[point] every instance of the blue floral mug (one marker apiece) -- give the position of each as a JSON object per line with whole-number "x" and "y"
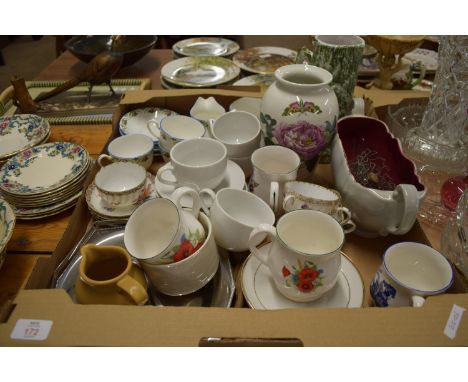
{"x": 409, "y": 272}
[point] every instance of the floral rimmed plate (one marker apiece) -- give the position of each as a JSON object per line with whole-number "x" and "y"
{"x": 265, "y": 59}
{"x": 136, "y": 122}
{"x": 205, "y": 46}
{"x": 262, "y": 80}
{"x": 198, "y": 72}
{"x": 7, "y": 223}
{"x": 43, "y": 168}
{"x": 101, "y": 210}
{"x": 429, "y": 58}
{"x": 20, "y": 132}
{"x": 260, "y": 291}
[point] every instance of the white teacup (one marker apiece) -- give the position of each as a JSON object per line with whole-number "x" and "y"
{"x": 239, "y": 131}
{"x": 409, "y": 272}
{"x": 177, "y": 128}
{"x": 304, "y": 258}
{"x": 136, "y": 148}
{"x": 197, "y": 162}
{"x": 303, "y": 195}
{"x": 234, "y": 214}
{"x": 273, "y": 166}
{"x": 160, "y": 232}
{"x": 120, "y": 183}
{"x": 190, "y": 274}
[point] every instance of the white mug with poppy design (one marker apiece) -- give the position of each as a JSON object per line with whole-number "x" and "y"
{"x": 304, "y": 259}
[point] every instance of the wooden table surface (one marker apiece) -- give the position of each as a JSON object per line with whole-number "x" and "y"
{"x": 33, "y": 239}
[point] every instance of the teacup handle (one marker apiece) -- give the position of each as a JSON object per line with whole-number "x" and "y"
{"x": 152, "y": 124}
{"x": 160, "y": 177}
{"x": 103, "y": 157}
{"x": 134, "y": 289}
{"x": 178, "y": 194}
{"x": 408, "y": 194}
{"x": 288, "y": 202}
{"x": 257, "y": 236}
{"x": 274, "y": 196}
{"x": 209, "y": 194}
{"x": 417, "y": 301}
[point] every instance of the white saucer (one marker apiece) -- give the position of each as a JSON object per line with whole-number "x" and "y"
{"x": 101, "y": 209}
{"x": 233, "y": 178}
{"x": 260, "y": 291}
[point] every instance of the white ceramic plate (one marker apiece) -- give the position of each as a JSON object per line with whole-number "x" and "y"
{"x": 136, "y": 122}
{"x": 265, "y": 59}
{"x": 102, "y": 210}
{"x": 260, "y": 291}
{"x": 43, "y": 168}
{"x": 198, "y": 72}
{"x": 248, "y": 104}
{"x": 21, "y": 131}
{"x": 262, "y": 80}
{"x": 429, "y": 58}
{"x": 46, "y": 211}
{"x": 205, "y": 46}
{"x": 233, "y": 178}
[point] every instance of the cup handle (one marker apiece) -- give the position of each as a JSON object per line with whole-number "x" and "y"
{"x": 346, "y": 215}
{"x": 134, "y": 289}
{"x": 211, "y": 123}
{"x": 160, "y": 177}
{"x": 103, "y": 157}
{"x": 208, "y": 194}
{"x": 178, "y": 194}
{"x": 288, "y": 198}
{"x": 254, "y": 240}
{"x": 408, "y": 194}
{"x": 417, "y": 301}
{"x": 348, "y": 227}
{"x": 274, "y": 196}
{"x": 152, "y": 124}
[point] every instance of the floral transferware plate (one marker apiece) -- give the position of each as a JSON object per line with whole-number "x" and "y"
{"x": 265, "y": 59}
{"x": 198, "y": 72}
{"x": 234, "y": 178}
{"x": 43, "y": 168}
{"x": 429, "y": 58}
{"x": 260, "y": 291}
{"x": 205, "y": 46}
{"x": 104, "y": 211}
{"x": 21, "y": 131}
{"x": 136, "y": 122}
{"x": 7, "y": 223}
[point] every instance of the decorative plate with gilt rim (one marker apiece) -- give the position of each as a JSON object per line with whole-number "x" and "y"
{"x": 264, "y": 59}
{"x": 205, "y": 46}
{"x": 21, "y": 131}
{"x": 260, "y": 291}
{"x": 7, "y": 223}
{"x": 199, "y": 72}
{"x": 262, "y": 80}
{"x": 43, "y": 168}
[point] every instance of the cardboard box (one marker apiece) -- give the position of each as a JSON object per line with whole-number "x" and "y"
{"x": 96, "y": 325}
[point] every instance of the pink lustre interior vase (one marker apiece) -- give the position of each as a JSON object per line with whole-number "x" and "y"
{"x": 299, "y": 111}
{"x": 377, "y": 181}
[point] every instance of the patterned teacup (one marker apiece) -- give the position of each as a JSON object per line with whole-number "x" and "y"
{"x": 303, "y": 195}
{"x": 135, "y": 148}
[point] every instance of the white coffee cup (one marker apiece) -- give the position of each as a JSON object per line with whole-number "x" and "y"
{"x": 120, "y": 183}
{"x": 197, "y": 162}
{"x": 305, "y": 254}
{"x": 177, "y": 128}
{"x": 409, "y": 272}
{"x": 303, "y": 195}
{"x": 136, "y": 148}
{"x": 234, "y": 214}
{"x": 239, "y": 131}
{"x": 273, "y": 166}
{"x": 160, "y": 232}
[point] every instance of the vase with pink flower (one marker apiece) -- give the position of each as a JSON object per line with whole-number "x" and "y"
{"x": 299, "y": 111}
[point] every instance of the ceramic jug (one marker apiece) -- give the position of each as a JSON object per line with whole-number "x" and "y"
{"x": 299, "y": 110}
{"x": 108, "y": 276}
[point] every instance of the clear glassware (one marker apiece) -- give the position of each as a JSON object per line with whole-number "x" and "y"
{"x": 454, "y": 241}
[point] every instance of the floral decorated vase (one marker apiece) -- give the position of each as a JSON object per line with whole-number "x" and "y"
{"x": 299, "y": 111}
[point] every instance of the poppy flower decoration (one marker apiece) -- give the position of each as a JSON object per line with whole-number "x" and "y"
{"x": 189, "y": 243}
{"x": 305, "y": 277}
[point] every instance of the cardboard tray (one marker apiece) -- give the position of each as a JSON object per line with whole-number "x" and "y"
{"x": 95, "y": 325}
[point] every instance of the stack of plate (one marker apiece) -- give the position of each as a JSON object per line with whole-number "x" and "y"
{"x": 44, "y": 180}
{"x": 205, "y": 46}
{"x": 199, "y": 72}
{"x": 20, "y": 132}
{"x": 7, "y": 223}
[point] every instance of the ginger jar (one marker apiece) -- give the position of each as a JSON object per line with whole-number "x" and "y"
{"x": 299, "y": 110}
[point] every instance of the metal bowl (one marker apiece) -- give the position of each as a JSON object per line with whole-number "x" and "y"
{"x": 133, "y": 47}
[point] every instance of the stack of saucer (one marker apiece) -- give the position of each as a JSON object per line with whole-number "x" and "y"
{"x": 101, "y": 210}
{"x": 44, "y": 180}
{"x": 20, "y": 132}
